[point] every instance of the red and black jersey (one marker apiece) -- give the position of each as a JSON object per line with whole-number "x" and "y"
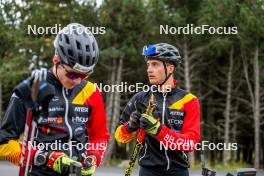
{"x": 74, "y": 122}
{"x": 179, "y": 113}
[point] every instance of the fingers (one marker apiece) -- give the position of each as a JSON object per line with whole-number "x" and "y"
{"x": 147, "y": 121}
{"x": 39, "y": 74}
{"x": 90, "y": 164}
{"x": 136, "y": 115}
{"x": 150, "y": 118}
{"x": 44, "y": 71}
{"x": 76, "y": 164}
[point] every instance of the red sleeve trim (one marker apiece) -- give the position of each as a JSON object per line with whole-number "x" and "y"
{"x": 190, "y": 134}
{"x": 96, "y": 127}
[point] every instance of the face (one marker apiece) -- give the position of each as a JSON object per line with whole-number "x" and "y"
{"x": 68, "y": 77}
{"x": 156, "y": 72}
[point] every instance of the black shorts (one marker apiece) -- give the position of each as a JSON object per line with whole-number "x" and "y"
{"x": 149, "y": 172}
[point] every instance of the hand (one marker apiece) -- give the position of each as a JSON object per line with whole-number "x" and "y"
{"x": 60, "y": 162}
{"x": 39, "y": 74}
{"x": 133, "y": 123}
{"x": 23, "y": 90}
{"x": 150, "y": 124}
{"x": 89, "y": 165}
{"x": 46, "y": 90}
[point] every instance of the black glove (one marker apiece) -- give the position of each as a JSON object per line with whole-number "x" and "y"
{"x": 150, "y": 124}
{"x": 133, "y": 123}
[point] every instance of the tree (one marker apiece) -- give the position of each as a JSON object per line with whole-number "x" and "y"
{"x": 121, "y": 47}
{"x": 252, "y": 13}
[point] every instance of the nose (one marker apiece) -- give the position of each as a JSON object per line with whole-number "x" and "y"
{"x": 149, "y": 70}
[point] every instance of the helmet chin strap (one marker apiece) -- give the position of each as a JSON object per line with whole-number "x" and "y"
{"x": 167, "y": 76}
{"x": 56, "y": 66}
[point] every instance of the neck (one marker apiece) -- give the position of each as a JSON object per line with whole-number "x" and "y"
{"x": 167, "y": 86}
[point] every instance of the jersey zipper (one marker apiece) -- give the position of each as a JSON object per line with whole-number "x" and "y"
{"x": 185, "y": 156}
{"x": 146, "y": 147}
{"x": 66, "y": 119}
{"x": 163, "y": 117}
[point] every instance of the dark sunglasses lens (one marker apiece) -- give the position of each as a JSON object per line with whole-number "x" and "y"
{"x": 73, "y": 75}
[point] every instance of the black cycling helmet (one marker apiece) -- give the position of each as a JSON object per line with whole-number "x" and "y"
{"x": 76, "y": 46}
{"x": 162, "y": 51}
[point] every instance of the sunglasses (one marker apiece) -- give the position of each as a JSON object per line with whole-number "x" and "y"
{"x": 149, "y": 50}
{"x": 74, "y": 75}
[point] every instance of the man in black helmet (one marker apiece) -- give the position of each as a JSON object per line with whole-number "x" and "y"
{"x": 71, "y": 130}
{"x": 173, "y": 127}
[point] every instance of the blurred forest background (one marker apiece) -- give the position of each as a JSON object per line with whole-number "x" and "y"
{"x": 224, "y": 71}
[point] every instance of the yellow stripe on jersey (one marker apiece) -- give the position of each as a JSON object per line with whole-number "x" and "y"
{"x": 180, "y": 103}
{"x": 123, "y": 138}
{"x": 11, "y": 152}
{"x": 84, "y": 94}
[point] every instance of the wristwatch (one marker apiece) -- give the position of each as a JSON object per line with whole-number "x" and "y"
{"x": 40, "y": 158}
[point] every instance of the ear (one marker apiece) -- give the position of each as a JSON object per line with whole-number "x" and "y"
{"x": 55, "y": 59}
{"x": 171, "y": 68}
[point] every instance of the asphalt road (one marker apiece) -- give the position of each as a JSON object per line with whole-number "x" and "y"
{"x": 7, "y": 169}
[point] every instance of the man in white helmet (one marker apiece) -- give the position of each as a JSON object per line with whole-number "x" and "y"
{"x": 74, "y": 115}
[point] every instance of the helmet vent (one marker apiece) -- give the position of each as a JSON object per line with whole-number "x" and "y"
{"x": 84, "y": 34}
{"x": 75, "y": 32}
{"x": 93, "y": 46}
{"x": 62, "y": 50}
{"x": 60, "y": 38}
{"x": 73, "y": 27}
{"x": 87, "y": 48}
{"x": 78, "y": 45}
{"x": 80, "y": 58}
{"x": 167, "y": 54}
{"x": 87, "y": 59}
{"x": 177, "y": 54}
{"x": 93, "y": 60}
{"x": 67, "y": 39}
{"x": 70, "y": 52}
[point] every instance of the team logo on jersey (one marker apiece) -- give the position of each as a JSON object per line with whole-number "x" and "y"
{"x": 42, "y": 120}
{"x": 178, "y": 113}
{"x": 52, "y": 120}
{"x": 176, "y": 117}
{"x": 175, "y": 122}
{"x": 59, "y": 120}
{"x": 78, "y": 119}
{"x": 55, "y": 109}
{"x": 78, "y": 129}
{"x": 55, "y": 98}
{"x": 81, "y": 109}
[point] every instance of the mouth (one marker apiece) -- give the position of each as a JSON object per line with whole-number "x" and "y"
{"x": 151, "y": 77}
